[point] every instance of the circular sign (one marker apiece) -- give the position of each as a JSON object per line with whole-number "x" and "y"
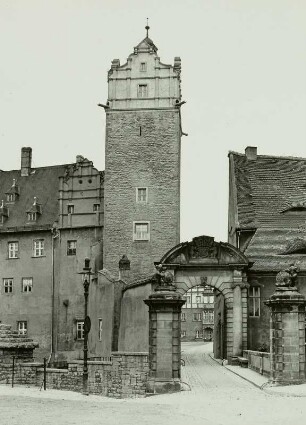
{"x": 87, "y": 324}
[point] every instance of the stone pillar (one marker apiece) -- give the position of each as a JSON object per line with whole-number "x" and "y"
{"x": 164, "y": 339}
{"x": 237, "y": 285}
{"x": 287, "y": 332}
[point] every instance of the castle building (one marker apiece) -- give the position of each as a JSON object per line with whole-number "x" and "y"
{"x": 50, "y": 219}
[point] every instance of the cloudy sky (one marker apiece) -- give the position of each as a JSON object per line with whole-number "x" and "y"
{"x": 243, "y": 77}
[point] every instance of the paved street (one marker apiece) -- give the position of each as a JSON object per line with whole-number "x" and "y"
{"x": 217, "y": 397}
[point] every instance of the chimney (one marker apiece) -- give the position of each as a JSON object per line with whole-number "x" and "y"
{"x": 251, "y": 153}
{"x": 124, "y": 268}
{"x": 26, "y": 161}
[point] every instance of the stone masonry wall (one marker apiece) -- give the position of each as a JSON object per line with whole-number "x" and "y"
{"x": 125, "y": 376}
{"x": 142, "y": 150}
{"x": 258, "y": 361}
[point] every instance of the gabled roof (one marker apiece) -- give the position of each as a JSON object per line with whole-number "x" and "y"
{"x": 42, "y": 183}
{"x": 146, "y": 45}
{"x": 268, "y": 188}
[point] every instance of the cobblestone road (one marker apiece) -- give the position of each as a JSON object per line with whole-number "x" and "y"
{"x": 217, "y": 397}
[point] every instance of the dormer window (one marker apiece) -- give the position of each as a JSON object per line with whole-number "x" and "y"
{"x": 143, "y": 66}
{"x": 142, "y": 90}
{"x": 10, "y": 197}
{"x": 34, "y": 212}
{"x": 32, "y": 216}
{"x": 13, "y": 193}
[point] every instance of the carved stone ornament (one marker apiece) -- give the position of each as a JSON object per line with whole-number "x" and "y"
{"x": 163, "y": 276}
{"x": 203, "y": 280}
{"x": 202, "y": 246}
{"x": 287, "y": 278}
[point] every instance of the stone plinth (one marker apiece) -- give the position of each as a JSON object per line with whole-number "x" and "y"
{"x": 14, "y": 345}
{"x": 164, "y": 341}
{"x": 287, "y": 338}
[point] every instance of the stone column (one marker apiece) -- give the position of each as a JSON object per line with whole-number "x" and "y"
{"x": 237, "y": 285}
{"x": 287, "y": 332}
{"x": 164, "y": 339}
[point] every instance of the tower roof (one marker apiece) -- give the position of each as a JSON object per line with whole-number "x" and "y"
{"x": 146, "y": 45}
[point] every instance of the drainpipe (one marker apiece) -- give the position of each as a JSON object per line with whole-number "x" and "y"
{"x": 54, "y": 234}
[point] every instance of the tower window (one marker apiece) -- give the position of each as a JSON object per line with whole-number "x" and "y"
{"x": 142, "y": 90}
{"x": 141, "y": 195}
{"x": 70, "y": 209}
{"x": 96, "y": 207}
{"x": 143, "y": 66}
{"x": 71, "y": 247}
{"x": 22, "y": 327}
{"x": 141, "y": 231}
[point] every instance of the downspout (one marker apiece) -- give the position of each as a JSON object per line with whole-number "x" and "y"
{"x": 54, "y": 235}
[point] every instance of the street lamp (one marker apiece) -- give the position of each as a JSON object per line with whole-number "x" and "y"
{"x": 87, "y": 323}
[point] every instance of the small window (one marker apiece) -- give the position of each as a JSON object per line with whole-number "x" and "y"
{"x": 70, "y": 209}
{"x": 197, "y": 317}
{"x": 188, "y": 299}
{"x": 32, "y": 216}
{"x": 143, "y": 66}
{"x": 71, "y": 247}
{"x": 183, "y": 334}
{"x": 183, "y": 317}
{"x": 39, "y": 248}
{"x": 27, "y": 284}
{"x": 141, "y": 231}
{"x": 10, "y": 197}
{"x": 198, "y": 334}
{"x": 198, "y": 299}
{"x": 8, "y": 285}
{"x": 96, "y": 207}
{"x": 80, "y": 329}
{"x": 142, "y": 195}
{"x": 22, "y": 327}
{"x": 254, "y": 301}
{"x": 13, "y": 249}
{"x": 100, "y": 329}
{"x": 142, "y": 90}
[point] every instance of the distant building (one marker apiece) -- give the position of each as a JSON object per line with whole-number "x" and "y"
{"x": 197, "y": 317}
{"x": 50, "y": 219}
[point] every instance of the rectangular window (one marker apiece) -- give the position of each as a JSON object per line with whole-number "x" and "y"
{"x": 254, "y": 301}
{"x": 188, "y": 299}
{"x": 100, "y": 329}
{"x": 8, "y": 285}
{"x": 183, "y": 334}
{"x": 70, "y": 209}
{"x": 143, "y": 66}
{"x": 80, "y": 329}
{"x": 27, "y": 284}
{"x": 141, "y": 194}
{"x": 198, "y": 334}
{"x": 22, "y": 327}
{"x": 141, "y": 231}
{"x": 142, "y": 90}
{"x": 183, "y": 317}
{"x": 197, "y": 317}
{"x": 39, "y": 248}
{"x": 208, "y": 316}
{"x": 96, "y": 207}
{"x": 13, "y": 249}
{"x": 198, "y": 299}
{"x": 71, "y": 247}
{"x": 32, "y": 216}
{"x": 10, "y": 197}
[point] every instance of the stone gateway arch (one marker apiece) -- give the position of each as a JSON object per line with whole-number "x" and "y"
{"x": 223, "y": 267}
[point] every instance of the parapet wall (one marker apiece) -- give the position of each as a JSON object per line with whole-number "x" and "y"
{"x": 258, "y": 361}
{"x": 124, "y": 376}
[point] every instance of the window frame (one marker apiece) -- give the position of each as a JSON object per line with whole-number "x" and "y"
{"x": 70, "y": 206}
{"x": 254, "y": 301}
{"x": 183, "y": 317}
{"x": 138, "y": 200}
{"x": 71, "y": 253}
{"x": 183, "y": 333}
{"x": 143, "y": 67}
{"x": 142, "y": 91}
{"x": 38, "y": 251}
{"x": 96, "y": 207}
{"x": 24, "y": 330}
{"x": 80, "y": 330}
{"x": 32, "y": 216}
{"x": 142, "y": 239}
{"x": 8, "y": 289}
{"x": 23, "y": 285}
{"x": 196, "y": 317}
{"x": 13, "y": 250}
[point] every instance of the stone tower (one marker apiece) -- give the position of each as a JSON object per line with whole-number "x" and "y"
{"x": 142, "y": 160}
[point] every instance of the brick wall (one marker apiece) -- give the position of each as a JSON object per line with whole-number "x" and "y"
{"x": 151, "y": 160}
{"x": 124, "y": 376}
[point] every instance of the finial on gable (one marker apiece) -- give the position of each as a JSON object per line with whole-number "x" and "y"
{"x": 147, "y": 27}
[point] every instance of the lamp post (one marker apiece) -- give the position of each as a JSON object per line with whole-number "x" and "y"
{"x": 87, "y": 323}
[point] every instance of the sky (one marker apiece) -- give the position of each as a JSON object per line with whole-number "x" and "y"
{"x": 243, "y": 78}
